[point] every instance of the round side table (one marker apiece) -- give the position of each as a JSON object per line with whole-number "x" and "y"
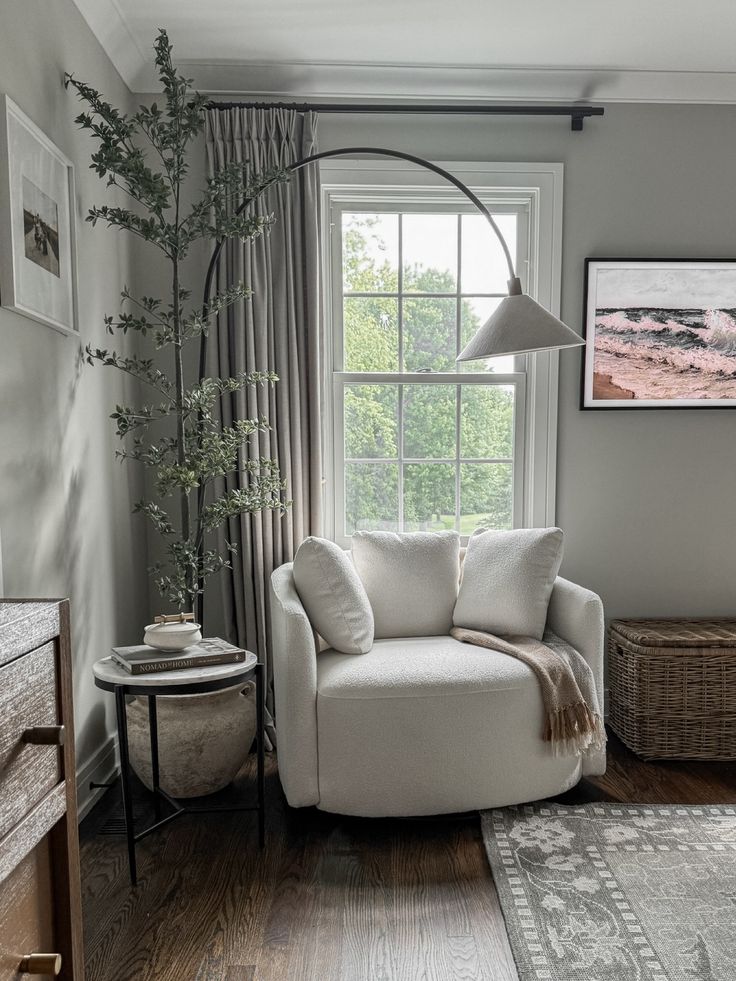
{"x": 193, "y": 681}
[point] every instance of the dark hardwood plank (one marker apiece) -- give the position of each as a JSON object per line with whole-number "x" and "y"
{"x": 483, "y": 917}
{"x": 631, "y": 780}
{"x": 366, "y": 914}
{"x": 236, "y": 972}
{"x": 330, "y": 898}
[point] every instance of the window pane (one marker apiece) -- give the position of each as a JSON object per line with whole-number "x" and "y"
{"x": 484, "y": 267}
{"x": 403, "y": 442}
{"x": 371, "y": 332}
{"x": 474, "y": 311}
{"x": 371, "y": 497}
{"x": 370, "y": 253}
{"x": 429, "y": 245}
{"x": 429, "y": 421}
{"x": 429, "y": 496}
{"x": 485, "y": 496}
{"x": 371, "y": 421}
{"x": 487, "y": 421}
{"x": 430, "y": 333}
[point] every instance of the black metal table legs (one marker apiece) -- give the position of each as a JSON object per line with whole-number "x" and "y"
{"x": 153, "y": 731}
{"x": 122, "y": 719}
{"x": 160, "y": 795}
{"x": 261, "y": 747}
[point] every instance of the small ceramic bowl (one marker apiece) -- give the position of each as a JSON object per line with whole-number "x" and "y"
{"x": 172, "y": 636}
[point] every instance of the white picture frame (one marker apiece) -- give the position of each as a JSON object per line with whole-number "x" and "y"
{"x": 37, "y": 224}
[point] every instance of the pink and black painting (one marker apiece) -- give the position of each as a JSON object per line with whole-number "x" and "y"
{"x": 659, "y": 334}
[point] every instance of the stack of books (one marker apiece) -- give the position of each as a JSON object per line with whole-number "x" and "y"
{"x": 148, "y": 660}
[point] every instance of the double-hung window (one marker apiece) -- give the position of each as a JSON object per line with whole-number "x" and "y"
{"x": 417, "y": 441}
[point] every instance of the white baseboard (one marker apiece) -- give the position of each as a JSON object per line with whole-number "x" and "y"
{"x": 101, "y": 767}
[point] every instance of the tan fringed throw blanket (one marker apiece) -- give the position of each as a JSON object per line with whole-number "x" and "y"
{"x": 574, "y": 725}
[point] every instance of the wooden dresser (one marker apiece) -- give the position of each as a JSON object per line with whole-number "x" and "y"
{"x": 40, "y": 901}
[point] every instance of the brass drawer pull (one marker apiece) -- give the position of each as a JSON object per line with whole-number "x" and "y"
{"x": 45, "y": 736}
{"x": 41, "y": 963}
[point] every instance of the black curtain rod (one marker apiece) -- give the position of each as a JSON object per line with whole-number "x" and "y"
{"x": 576, "y": 113}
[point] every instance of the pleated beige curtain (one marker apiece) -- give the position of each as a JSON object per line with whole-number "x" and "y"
{"x": 279, "y": 329}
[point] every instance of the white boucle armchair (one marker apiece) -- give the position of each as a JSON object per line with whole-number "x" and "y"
{"x": 419, "y": 725}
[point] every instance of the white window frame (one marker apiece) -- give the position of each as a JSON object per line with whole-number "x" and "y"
{"x": 537, "y": 188}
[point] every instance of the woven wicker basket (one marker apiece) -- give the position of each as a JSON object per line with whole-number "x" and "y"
{"x": 673, "y": 687}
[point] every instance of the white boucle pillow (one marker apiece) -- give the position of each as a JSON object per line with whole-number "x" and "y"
{"x": 333, "y": 596}
{"x": 410, "y": 579}
{"x": 507, "y": 580}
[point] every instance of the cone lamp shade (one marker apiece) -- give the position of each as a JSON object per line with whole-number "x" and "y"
{"x": 519, "y": 325}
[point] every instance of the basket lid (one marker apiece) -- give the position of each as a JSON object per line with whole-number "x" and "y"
{"x": 678, "y": 633}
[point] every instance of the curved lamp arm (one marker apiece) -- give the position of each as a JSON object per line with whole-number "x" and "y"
{"x": 514, "y": 285}
{"x": 428, "y": 165}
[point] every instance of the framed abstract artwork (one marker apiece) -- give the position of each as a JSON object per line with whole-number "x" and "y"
{"x": 37, "y": 245}
{"x": 660, "y": 333}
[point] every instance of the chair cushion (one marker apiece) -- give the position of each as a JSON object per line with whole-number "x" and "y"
{"x": 507, "y": 580}
{"x": 427, "y": 725}
{"x": 413, "y": 667}
{"x": 333, "y": 596}
{"x": 411, "y": 580}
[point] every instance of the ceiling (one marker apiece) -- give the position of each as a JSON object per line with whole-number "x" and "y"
{"x": 598, "y": 50}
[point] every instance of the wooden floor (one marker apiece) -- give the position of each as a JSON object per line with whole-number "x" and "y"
{"x": 329, "y": 898}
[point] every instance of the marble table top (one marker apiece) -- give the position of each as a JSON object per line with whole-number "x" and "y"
{"x": 106, "y": 670}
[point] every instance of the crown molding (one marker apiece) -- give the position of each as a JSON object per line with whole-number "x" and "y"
{"x": 108, "y": 24}
{"x": 447, "y": 83}
{"x": 326, "y": 81}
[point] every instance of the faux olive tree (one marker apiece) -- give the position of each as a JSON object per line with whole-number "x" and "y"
{"x": 177, "y": 433}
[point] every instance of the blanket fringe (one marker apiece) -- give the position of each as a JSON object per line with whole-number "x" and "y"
{"x": 573, "y": 730}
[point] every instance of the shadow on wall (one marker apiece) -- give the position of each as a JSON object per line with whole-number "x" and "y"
{"x": 66, "y": 505}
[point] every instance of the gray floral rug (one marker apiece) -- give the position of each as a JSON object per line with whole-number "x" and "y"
{"x": 609, "y": 892}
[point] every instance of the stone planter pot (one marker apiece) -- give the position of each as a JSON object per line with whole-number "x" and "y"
{"x": 203, "y": 740}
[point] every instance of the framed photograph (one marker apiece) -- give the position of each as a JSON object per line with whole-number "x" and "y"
{"x": 37, "y": 247}
{"x": 660, "y": 333}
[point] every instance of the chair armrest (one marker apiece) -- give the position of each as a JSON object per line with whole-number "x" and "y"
{"x": 295, "y": 690}
{"x": 576, "y": 615}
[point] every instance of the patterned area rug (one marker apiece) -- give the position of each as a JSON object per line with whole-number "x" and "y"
{"x": 609, "y": 892}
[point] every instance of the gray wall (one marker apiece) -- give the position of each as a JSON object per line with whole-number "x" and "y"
{"x": 65, "y": 503}
{"x": 645, "y": 497}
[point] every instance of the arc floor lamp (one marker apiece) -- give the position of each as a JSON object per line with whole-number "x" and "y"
{"x": 519, "y": 325}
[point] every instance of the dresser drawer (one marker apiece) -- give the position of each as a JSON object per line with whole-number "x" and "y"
{"x": 26, "y": 912}
{"x": 28, "y": 698}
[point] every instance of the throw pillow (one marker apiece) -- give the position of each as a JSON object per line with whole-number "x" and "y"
{"x": 411, "y": 580}
{"x": 507, "y": 580}
{"x": 333, "y": 596}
